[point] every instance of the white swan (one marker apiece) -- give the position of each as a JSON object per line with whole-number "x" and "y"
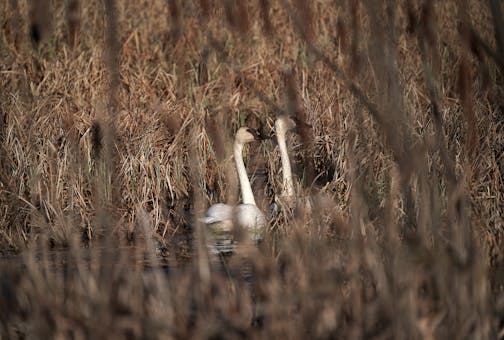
{"x": 288, "y": 197}
{"x": 247, "y": 215}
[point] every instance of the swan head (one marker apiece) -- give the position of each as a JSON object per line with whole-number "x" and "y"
{"x": 246, "y": 135}
{"x": 284, "y": 124}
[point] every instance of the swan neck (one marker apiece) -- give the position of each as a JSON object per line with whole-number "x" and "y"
{"x": 246, "y": 189}
{"x": 287, "y": 182}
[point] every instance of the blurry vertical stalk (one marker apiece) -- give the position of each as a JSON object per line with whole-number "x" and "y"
{"x": 423, "y": 43}
{"x": 357, "y": 204}
{"x": 383, "y": 60}
{"x": 206, "y": 8}
{"x": 477, "y": 41}
{"x": 202, "y": 266}
{"x": 112, "y": 56}
{"x": 175, "y": 20}
{"x": 457, "y": 214}
{"x": 219, "y": 142}
{"x": 73, "y": 21}
{"x": 296, "y": 109}
{"x": 109, "y": 136}
{"x": 498, "y": 22}
{"x": 243, "y": 17}
{"x": 430, "y": 33}
{"x": 359, "y": 242}
{"x": 305, "y": 14}
{"x": 107, "y": 179}
{"x": 4, "y": 161}
{"x": 265, "y": 7}
{"x": 237, "y": 15}
{"x": 383, "y": 56}
{"x": 15, "y": 23}
{"x": 355, "y": 27}
{"x": 40, "y": 20}
{"x": 176, "y": 52}
{"x": 465, "y": 83}
{"x": 163, "y": 302}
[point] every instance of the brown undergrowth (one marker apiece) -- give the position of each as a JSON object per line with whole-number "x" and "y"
{"x": 116, "y": 120}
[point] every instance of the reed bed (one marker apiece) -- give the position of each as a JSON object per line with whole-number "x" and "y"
{"x": 116, "y": 124}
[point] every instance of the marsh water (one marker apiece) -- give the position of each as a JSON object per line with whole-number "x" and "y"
{"x": 136, "y": 256}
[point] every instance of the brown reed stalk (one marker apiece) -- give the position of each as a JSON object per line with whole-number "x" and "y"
{"x": 243, "y": 19}
{"x": 465, "y": 84}
{"x": 498, "y": 24}
{"x": 296, "y": 110}
{"x": 14, "y": 32}
{"x": 3, "y": 131}
{"x": 479, "y": 42}
{"x": 108, "y": 184}
{"x": 428, "y": 20}
{"x": 73, "y": 21}
{"x": 112, "y": 56}
{"x": 265, "y": 16}
{"x": 448, "y": 164}
{"x": 96, "y": 140}
{"x": 206, "y": 7}
{"x": 237, "y": 15}
{"x": 459, "y": 224}
{"x": 165, "y": 304}
{"x": 202, "y": 272}
{"x": 175, "y": 20}
{"x": 40, "y": 20}
{"x": 215, "y": 122}
{"x": 112, "y": 65}
{"x": 305, "y": 13}
{"x": 355, "y": 34}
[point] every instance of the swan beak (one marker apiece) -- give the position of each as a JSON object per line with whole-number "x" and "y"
{"x": 258, "y": 136}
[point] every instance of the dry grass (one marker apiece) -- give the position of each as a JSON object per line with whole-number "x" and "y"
{"x": 116, "y": 120}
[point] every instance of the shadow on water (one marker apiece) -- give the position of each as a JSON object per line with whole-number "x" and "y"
{"x": 136, "y": 256}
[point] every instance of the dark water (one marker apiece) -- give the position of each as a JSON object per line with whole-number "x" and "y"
{"x": 222, "y": 260}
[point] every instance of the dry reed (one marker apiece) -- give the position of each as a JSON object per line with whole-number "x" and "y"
{"x": 112, "y": 144}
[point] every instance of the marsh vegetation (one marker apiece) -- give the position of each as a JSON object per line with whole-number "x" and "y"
{"x": 116, "y": 125}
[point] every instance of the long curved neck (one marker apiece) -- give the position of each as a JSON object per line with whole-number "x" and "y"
{"x": 246, "y": 189}
{"x": 287, "y": 182}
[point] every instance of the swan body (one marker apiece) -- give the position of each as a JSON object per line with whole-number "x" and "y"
{"x": 217, "y": 213}
{"x": 246, "y": 215}
{"x": 222, "y": 217}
